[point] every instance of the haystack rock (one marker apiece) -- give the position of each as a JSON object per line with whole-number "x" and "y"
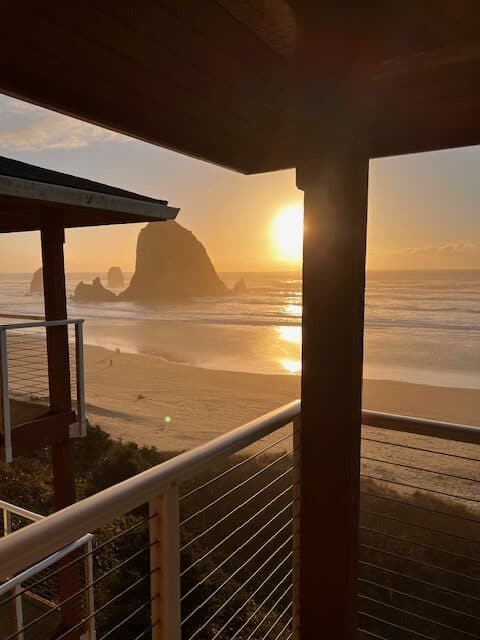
{"x": 240, "y": 286}
{"x": 94, "y": 292}
{"x": 115, "y": 278}
{"x": 171, "y": 264}
{"x": 36, "y": 285}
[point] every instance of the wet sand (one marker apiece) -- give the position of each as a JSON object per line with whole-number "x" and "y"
{"x": 174, "y": 406}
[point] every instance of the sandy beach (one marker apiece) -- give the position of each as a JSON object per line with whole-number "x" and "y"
{"x": 130, "y": 396}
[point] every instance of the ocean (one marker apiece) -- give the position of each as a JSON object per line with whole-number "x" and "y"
{"x": 420, "y": 327}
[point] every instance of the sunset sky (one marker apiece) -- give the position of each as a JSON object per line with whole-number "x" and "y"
{"x": 423, "y": 209}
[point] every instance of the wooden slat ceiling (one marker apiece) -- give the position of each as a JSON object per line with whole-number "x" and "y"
{"x": 215, "y": 78}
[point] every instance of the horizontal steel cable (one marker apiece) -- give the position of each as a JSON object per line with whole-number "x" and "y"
{"x": 242, "y": 566}
{"x": 104, "y": 606}
{"x": 237, "y": 549}
{"x": 404, "y": 594}
{"x": 424, "y": 527}
{"x": 417, "y": 488}
{"x": 420, "y": 506}
{"x": 232, "y": 468}
{"x": 370, "y": 634}
{"x": 83, "y": 556}
{"x": 269, "y": 612}
{"x": 257, "y": 513}
{"x": 395, "y": 626}
{"x": 235, "y": 488}
{"x": 267, "y": 579}
{"x": 129, "y": 617}
{"x": 240, "y": 506}
{"x": 284, "y": 628}
{"x": 419, "y": 580}
{"x": 420, "y": 562}
{"x": 232, "y": 533}
{"x": 423, "y": 450}
{"x": 417, "y": 615}
{"x": 422, "y": 469}
{"x": 230, "y": 598}
{"x": 408, "y": 541}
{"x": 85, "y": 588}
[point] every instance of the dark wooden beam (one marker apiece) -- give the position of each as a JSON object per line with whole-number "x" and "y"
{"x": 332, "y": 170}
{"x": 53, "y": 238}
{"x": 42, "y": 432}
{"x": 427, "y": 60}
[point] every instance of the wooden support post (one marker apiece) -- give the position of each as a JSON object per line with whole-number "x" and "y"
{"x": 332, "y": 170}
{"x": 53, "y": 238}
{"x": 165, "y": 565}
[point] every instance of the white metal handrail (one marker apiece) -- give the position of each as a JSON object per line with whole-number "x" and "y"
{"x": 42, "y": 323}
{"x": 159, "y": 488}
{"x": 59, "y": 529}
{"x": 7, "y": 508}
{"x": 5, "y": 373}
{"x": 23, "y": 548}
{"x": 15, "y": 316}
{"x": 35, "y": 569}
{"x": 421, "y": 426}
{"x": 15, "y": 585}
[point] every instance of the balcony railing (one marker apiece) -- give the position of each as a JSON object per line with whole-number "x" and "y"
{"x": 419, "y": 564}
{"x": 24, "y": 375}
{"x": 203, "y": 545}
{"x": 35, "y": 592}
{"x": 199, "y": 545}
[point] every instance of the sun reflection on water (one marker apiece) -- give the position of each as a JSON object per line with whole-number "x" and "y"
{"x": 293, "y": 310}
{"x": 291, "y": 338}
{"x": 290, "y": 334}
{"x": 292, "y": 366}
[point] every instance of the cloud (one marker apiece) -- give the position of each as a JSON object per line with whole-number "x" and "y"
{"x": 456, "y": 248}
{"x": 24, "y": 127}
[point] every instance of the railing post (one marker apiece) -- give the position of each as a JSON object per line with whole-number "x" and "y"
{"x": 296, "y": 528}
{"x": 18, "y": 611}
{"x": 7, "y": 522}
{"x": 80, "y": 375}
{"x": 17, "y": 600}
{"x": 92, "y": 633}
{"x": 165, "y": 565}
{"x": 5, "y": 421}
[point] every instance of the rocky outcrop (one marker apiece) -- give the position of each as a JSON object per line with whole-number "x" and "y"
{"x": 240, "y": 286}
{"x": 171, "y": 264}
{"x": 115, "y": 278}
{"x": 94, "y": 292}
{"x": 36, "y": 285}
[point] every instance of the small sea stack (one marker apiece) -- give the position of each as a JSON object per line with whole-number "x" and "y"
{"x": 94, "y": 292}
{"x": 115, "y": 279}
{"x": 240, "y": 287}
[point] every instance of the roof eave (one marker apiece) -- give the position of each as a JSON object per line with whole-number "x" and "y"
{"x": 48, "y": 194}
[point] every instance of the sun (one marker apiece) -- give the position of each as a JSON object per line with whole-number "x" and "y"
{"x": 288, "y": 232}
